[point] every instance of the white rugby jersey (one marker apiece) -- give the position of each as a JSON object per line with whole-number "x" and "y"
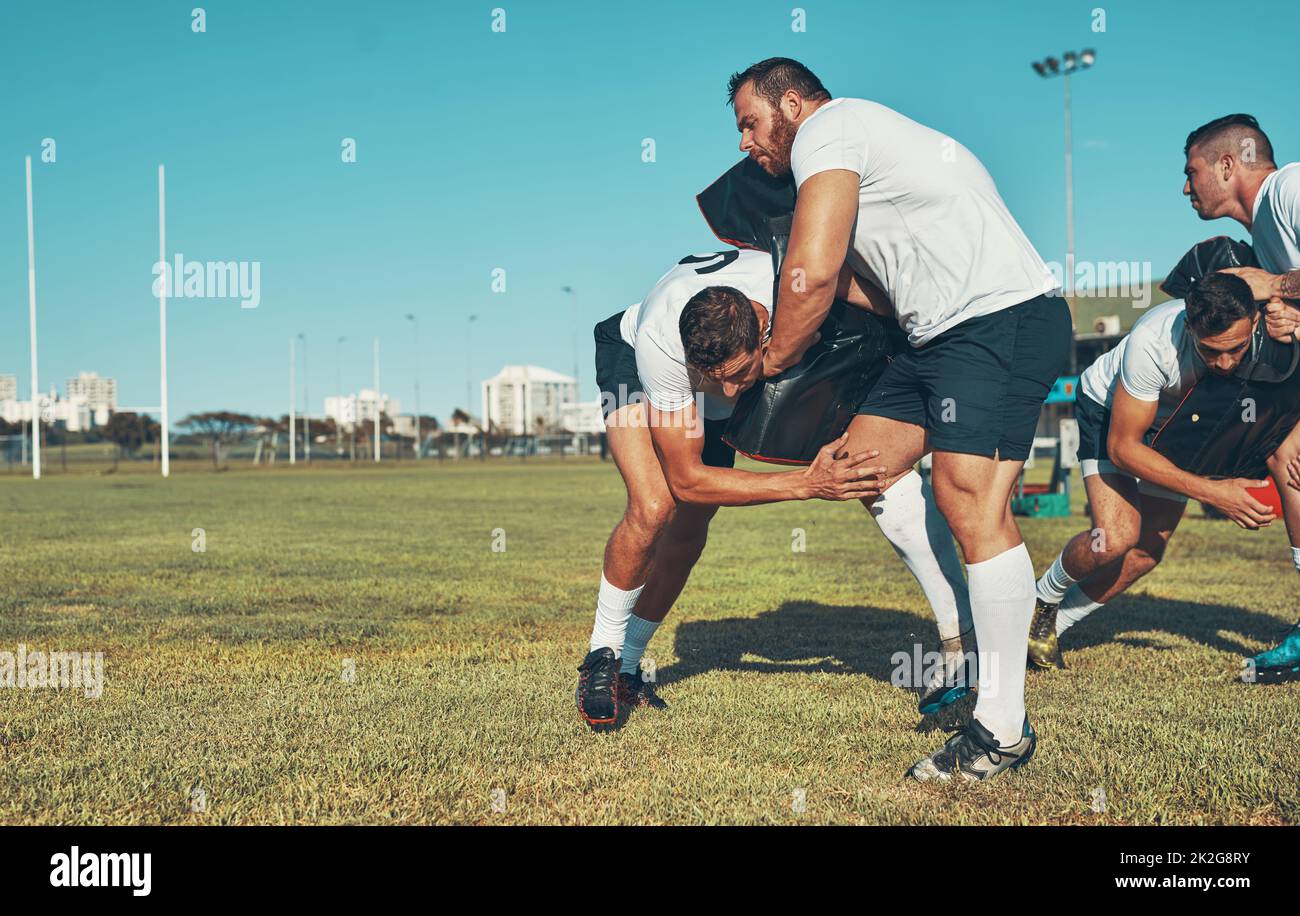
{"x": 652, "y": 326}
{"x": 932, "y": 230}
{"x": 1156, "y": 361}
{"x": 1275, "y": 222}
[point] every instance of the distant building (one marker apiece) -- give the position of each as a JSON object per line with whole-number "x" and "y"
{"x": 8, "y": 388}
{"x": 97, "y": 395}
{"x": 582, "y": 417}
{"x": 348, "y": 409}
{"x": 520, "y": 399}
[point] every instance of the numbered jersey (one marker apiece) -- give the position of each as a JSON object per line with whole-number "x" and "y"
{"x": 652, "y": 327}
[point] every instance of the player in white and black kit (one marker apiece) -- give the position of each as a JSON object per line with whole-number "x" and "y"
{"x": 918, "y": 215}
{"x": 670, "y": 370}
{"x": 1136, "y": 496}
{"x": 1231, "y": 171}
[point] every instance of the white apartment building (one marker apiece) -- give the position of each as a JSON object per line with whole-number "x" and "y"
{"x": 518, "y": 396}
{"x": 347, "y": 409}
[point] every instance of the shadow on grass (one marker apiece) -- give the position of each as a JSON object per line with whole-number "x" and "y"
{"x": 806, "y": 636}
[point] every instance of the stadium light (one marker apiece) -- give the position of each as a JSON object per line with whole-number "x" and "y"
{"x": 338, "y": 387}
{"x": 306, "y": 403}
{"x": 293, "y": 409}
{"x": 469, "y": 362}
{"x": 1047, "y": 68}
{"x": 416, "y": 324}
{"x": 31, "y": 309}
{"x": 378, "y": 443}
{"x": 573, "y": 322}
{"x": 162, "y": 324}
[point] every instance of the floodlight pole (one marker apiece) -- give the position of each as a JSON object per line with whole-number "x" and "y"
{"x": 31, "y": 309}
{"x": 293, "y": 410}
{"x": 162, "y": 321}
{"x": 378, "y": 403}
{"x": 1069, "y": 199}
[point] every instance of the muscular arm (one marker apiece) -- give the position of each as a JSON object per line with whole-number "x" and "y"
{"x": 679, "y": 441}
{"x": 1130, "y": 418}
{"x": 824, "y": 214}
{"x": 863, "y": 293}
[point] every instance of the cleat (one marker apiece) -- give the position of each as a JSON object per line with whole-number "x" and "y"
{"x": 948, "y": 688}
{"x": 1280, "y": 663}
{"x": 973, "y": 754}
{"x": 598, "y": 687}
{"x": 1044, "y": 648}
{"x": 635, "y": 692}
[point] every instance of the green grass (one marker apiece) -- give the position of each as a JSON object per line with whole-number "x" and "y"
{"x": 223, "y": 669}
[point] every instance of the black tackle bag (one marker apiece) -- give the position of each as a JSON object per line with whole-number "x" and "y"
{"x": 1228, "y": 426}
{"x": 788, "y": 418}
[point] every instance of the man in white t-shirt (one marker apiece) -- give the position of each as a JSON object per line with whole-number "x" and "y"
{"x": 670, "y": 369}
{"x": 917, "y": 214}
{"x": 1231, "y": 172}
{"x": 1136, "y": 496}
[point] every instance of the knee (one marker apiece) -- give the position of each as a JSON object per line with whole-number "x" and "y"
{"x": 1147, "y": 554}
{"x": 651, "y": 515}
{"x": 1112, "y": 543}
{"x": 688, "y": 533}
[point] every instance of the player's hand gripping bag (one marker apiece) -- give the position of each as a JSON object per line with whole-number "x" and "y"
{"x": 1228, "y": 426}
{"x": 788, "y": 418}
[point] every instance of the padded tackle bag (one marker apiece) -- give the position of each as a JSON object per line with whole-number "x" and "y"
{"x": 1228, "y": 426}
{"x": 788, "y": 418}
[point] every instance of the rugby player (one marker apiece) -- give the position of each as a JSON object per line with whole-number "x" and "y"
{"x": 670, "y": 369}
{"x": 1229, "y": 171}
{"x": 919, "y": 216}
{"x": 1136, "y": 496}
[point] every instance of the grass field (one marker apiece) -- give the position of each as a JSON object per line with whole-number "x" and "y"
{"x": 225, "y": 669}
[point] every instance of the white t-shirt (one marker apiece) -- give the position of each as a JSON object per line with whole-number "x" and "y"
{"x": 1275, "y": 222}
{"x": 1156, "y": 361}
{"x": 932, "y": 230}
{"x": 652, "y": 327}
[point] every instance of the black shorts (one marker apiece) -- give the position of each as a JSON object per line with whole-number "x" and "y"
{"x": 1094, "y": 428}
{"x": 978, "y": 388}
{"x": 620, "y": 385}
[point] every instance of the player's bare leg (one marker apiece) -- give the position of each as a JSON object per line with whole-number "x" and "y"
{"x": 912, "y": 523}
{"x": 1282, "y": 662}
{"x": 974, "y": 494}
{"x": 629, "y": 555}
{"x": 1130, "y": 533}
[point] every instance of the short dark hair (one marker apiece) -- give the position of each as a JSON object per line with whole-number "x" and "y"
{"x": 717, "y": 323}
{"x": 1234, "y": 128}
{"x": 1216, "y": 302}
{"x": 775, "y": 76}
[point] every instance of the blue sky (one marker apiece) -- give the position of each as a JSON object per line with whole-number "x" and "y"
{"x": 522, "y": 150}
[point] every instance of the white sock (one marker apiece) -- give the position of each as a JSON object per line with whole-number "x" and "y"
{"x": 918, "y": 532}
{"x": 613, "y": 608}
{"x": 1295, "y": 557}
{"x": 1055, "y": 582}
{"x": 1002, "y": 602}
{"x": 639, "y": 632}
{"x": 1075, "y": 606}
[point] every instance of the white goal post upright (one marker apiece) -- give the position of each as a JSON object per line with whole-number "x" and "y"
{"x": 31, "y": 309}
{"x": 162, "y": 323}
{"x": 378, "y": 404}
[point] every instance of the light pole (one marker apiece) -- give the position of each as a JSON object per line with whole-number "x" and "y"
{"x": 306, "y": 403}
{"x": 469, "y": 363}
{"x": 293, "y": 407}
{"x": 338, "y": 387}
{"x": 165, "y": 423}
{"x": 1049, "y": 67}
{"x": 378, "y": 403}
{"x": 416, "y": 324}
{"x": 31, "y": 306}
{"x": 573, "y": 334}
